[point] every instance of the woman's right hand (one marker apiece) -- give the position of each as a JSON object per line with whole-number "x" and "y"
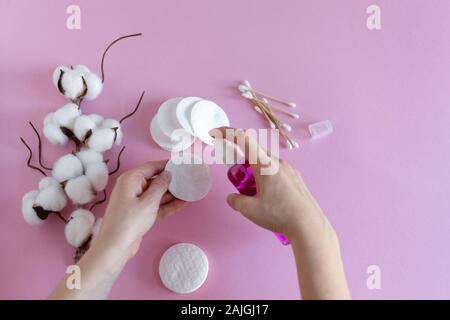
{"x": 283, "y": 202}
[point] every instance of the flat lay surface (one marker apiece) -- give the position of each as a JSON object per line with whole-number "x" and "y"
{"x": 381, "y": 177}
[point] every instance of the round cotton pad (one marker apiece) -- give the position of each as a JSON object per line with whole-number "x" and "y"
{"x": 183, "y": 112}
{"x": 165, "y": 142}
{"x": 183, "y": 268}
{"x": 207, "y": 115}
{"x": 191, "y": 180}
{"x": 166, "y": 116}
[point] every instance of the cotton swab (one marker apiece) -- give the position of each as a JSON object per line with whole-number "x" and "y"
{"x": 249, "y": 95}
{"x": 258, "y": 109}
{"x": 244, "y": 88}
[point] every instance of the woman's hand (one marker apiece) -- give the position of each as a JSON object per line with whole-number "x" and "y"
{"x": 284, "y": 204}
{"x": 139, "y": 198}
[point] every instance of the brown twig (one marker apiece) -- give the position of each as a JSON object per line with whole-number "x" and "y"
{"x": 40, "y": 146}
{"x": 30, "y": 157}
{"x": 99, "y": 201}
{"x": 118, "y": 162}
{"x": 110, "y": 45}
{"x": 135, "y": 109}
{"x": 60, "y": 216}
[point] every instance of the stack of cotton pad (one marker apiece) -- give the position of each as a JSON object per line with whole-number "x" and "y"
{"x": 183, "y": 268}
{"x": 179, "y": 121}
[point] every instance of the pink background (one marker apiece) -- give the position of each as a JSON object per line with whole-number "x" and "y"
{"x": 382, "y": 177}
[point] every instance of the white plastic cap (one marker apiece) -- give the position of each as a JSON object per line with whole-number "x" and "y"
{"x": 320, "y": 129}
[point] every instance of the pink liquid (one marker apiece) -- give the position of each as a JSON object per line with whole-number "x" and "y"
{"x": 241, "y": 176}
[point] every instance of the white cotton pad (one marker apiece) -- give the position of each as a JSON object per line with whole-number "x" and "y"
{"x": 205, "y": 116}
{"x": 190, "y": 181}
{"x": 183, "y": 268}
{"x": 185, "y": 139}
{"x": 183, "y": 112}
{"x": 166, "y": 116}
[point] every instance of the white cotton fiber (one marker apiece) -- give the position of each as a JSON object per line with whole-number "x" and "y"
{"x": 72, "y": 83}
{"x": 57, "y": 74}
{"x": 79, "y": 227}
{"x": 111, "y": 124}
{"x": 88, "y": 156}
{"x": 98, "y": 174}
{"x": 96, "y": 118}
{"x": 94, "y": 86}
{"x": 48, "y": 118}
{"x": 101, "y": 139}
{"x": 48, "y": 182}
{"x": 79, "y": 190}
{"x": 67, "y": 167}
{"x": 83, "y": 213}
{"x": 54, "y": 134}
{"x": 51, "y": 198}
{"x": 81, "y": 127}
{"x": 28, "y": 212}
{"x": 66, "y": 115}
{"x": 81, "y": 69}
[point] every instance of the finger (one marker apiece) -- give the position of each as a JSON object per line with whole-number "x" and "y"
{"x": 247, "y": 143}
{"x": 244, "y": 204}
{"x": 149, "y": 169}
{"x": 166, "y": 198}
{"x": 170, "y": 208}
{"x": 157, "y": 188}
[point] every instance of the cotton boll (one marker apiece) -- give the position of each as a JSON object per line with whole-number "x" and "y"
{"x": 28, "y": 212}
{"x": 48, "y": 182}
{"x": 57, "y": 74}
{"x": 98, "y": 174}
{"x": 67, "y": 167}
{"x": 72, "y": 84}
{"x": 54, "y": 134}
{"x": 96, "y": 118}
{"x": 101, "y": 139}
{"x": 82, "y": 126}
{"x": 79, "y": 190}
{"x": 94, "y": 86}
{"x": 81, "y": 69}
{"x": 113, "y": 124}
{"x": 79, "y": 227}
{"x": 88, "y": 156}
{"x": 51, "y": 198}
{"x": 48, "y": 118}
{"x": 83, "y": 213}
{"x": 66, "y": 115}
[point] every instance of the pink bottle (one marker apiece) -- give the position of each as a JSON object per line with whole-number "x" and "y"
{"x": 241, "y": 176}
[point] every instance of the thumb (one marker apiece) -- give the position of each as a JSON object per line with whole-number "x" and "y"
{"x": 243, "y": 204}
{"x": 157, "y": 187}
